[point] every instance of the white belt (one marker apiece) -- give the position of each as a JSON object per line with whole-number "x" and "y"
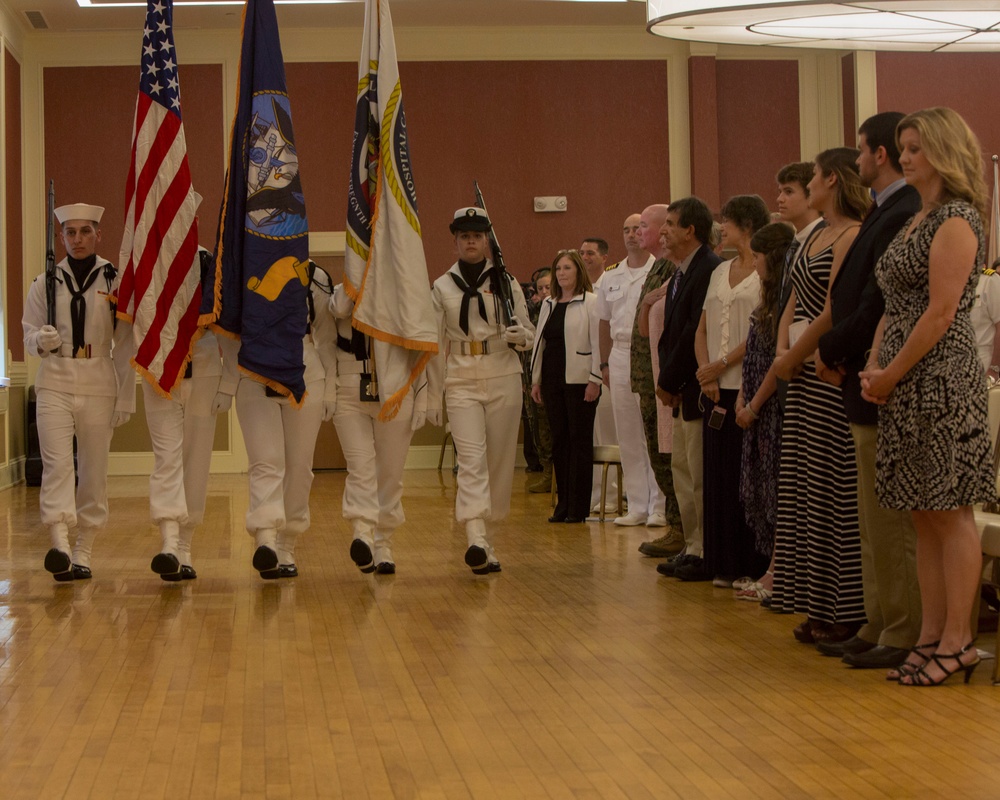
{"x": 87, "y": 351}
{"x": 350, "y": 367}
{"x": 494, "y": 344}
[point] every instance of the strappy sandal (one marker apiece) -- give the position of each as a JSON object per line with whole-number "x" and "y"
{"x": 908, "y": 667}
{"x": 754, "y": 592}
{"x": 921, "y": 678}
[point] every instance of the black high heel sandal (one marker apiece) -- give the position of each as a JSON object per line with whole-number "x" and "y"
{"x": 908, "y": 667}
{"x": 921, "y": 678}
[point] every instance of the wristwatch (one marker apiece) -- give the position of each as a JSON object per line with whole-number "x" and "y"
{"x": 603, "y": 365}
{"x": 725, "y": 361}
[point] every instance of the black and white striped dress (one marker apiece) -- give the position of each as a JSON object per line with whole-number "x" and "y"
{"x": 817, "y": 543}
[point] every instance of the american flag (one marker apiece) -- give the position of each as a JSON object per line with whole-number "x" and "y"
{"x": 159, "y": 290}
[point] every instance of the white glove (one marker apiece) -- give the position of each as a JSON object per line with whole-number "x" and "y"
{"x": 419, "y": 414}
{"x": 48, "y": 339}
{"x": 120, "y": 418}
{"x": 329, "y": 409}
{"x": 516, "y": 334}
{"x": 222, "y": 403}
{"x": 435, "y": 417}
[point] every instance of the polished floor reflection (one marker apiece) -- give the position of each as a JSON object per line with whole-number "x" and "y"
{"x": 575, "y": 673}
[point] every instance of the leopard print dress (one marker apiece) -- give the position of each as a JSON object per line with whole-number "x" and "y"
{"x": 933, "y": 447}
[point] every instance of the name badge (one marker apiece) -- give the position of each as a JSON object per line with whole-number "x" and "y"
{"x": 369, "y": 388}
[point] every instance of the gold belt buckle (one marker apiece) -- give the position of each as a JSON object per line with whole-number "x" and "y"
{"x": 82, "y": 352}
{"x": 477, "y": 348}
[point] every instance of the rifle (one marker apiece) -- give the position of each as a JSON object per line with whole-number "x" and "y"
{"x": 50, "y": 259}
{"x": 506, "y": 296}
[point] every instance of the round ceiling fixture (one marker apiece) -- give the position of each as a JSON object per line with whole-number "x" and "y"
{"x": 951, "y": 26}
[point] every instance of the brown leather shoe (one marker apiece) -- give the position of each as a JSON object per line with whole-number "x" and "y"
{"x": 834, "y": 631}
{"x": 803, "y": 632}
{"x": 840, "y": 649}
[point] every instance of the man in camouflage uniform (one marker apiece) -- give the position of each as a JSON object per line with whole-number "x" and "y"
{"x": 644, "y": 384}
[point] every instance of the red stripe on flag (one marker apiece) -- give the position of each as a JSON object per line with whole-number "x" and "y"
{"x": 175, "y": 277}
{"x": 178, "y": 356}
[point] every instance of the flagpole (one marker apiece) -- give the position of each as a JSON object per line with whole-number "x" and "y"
{"x": 994, "y": 249}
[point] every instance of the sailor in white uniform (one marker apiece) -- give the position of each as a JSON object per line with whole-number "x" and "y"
{"x": 281, "y": 439}
{"x": 85, "y": 388}
{"x": 480, "y": 375}
{"x": 182, "y": 430}
{"x": 375, "y": 451}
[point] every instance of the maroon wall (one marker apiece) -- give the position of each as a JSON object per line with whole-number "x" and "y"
{"x": 87, "y": 145}
{"x": 965, "y": 82}
{"x": 529, "y": 129}
{"x": 593, "y": 131}
{"x": 14, "y": 244}
{"x": 758, "y": 125}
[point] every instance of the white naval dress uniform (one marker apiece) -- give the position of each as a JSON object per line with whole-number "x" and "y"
{"x": 182, "y": 430}
{"x": 375, "y": 451}
{"x": 78, "y": 394}
{"x": 604, "y": 434}
{"x": 481, "y": 379}
{"x": 617, "y": 300}
{"x": 281, "y": 439}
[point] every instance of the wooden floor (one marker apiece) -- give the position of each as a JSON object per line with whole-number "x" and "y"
{"x": 575, "y": 673}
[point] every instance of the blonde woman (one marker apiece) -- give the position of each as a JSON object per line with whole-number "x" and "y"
{"x": 932, "y": 456}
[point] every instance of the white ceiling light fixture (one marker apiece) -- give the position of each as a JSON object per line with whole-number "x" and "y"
{"x": 951, "y": 26}
{"x": 141, "y": 4}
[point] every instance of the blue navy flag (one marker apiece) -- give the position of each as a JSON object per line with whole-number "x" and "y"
{"x": 262, "y": 247}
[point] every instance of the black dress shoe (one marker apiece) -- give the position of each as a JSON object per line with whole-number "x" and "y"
{"x": 573, "y": 520}
{"x": 557, "y": 518}
{"x": 81, "y": 573}
{"x": 477, "y": 560}
{"x": 280, "y": 571}
{"x": 385, "y": 568}
{"x": 361, "y": 554}
{"x": 669, "y": 566}
{"x": 264, "y": 558}
{"x": 879, "y": 657}
{"x": 165, "y": 563}
{"x": 58, "y": 563}
{"x": 693, "y": 570}
{"x": 495, "y": 566}
{"x": 841, "y": 649}
{"x": 185, "y": 573}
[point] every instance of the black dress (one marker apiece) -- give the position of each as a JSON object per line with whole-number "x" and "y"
{"x": 571, "y": 420}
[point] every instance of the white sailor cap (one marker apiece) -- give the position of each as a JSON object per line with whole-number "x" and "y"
{"x": 470, "y": 218}
{"x": 79, "y": 211}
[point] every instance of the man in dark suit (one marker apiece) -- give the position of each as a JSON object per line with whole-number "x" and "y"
{"x": 888, "y": 540}
{"x": 686, "y": 231}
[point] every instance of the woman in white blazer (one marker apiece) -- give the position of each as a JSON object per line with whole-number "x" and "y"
{"x": 566, "y": 379}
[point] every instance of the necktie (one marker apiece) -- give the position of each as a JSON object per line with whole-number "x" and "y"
{"x": 78, "y": 307}
{"x": 675, "y": 285}
{"x": 469, "y": 292}
{"x": 793, "y": 248}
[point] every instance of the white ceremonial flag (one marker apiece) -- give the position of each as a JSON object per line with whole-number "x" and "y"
{"x": 385, "y": 272}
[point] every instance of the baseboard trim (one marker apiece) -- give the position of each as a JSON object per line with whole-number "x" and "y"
{"x": 12, "y": 473}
